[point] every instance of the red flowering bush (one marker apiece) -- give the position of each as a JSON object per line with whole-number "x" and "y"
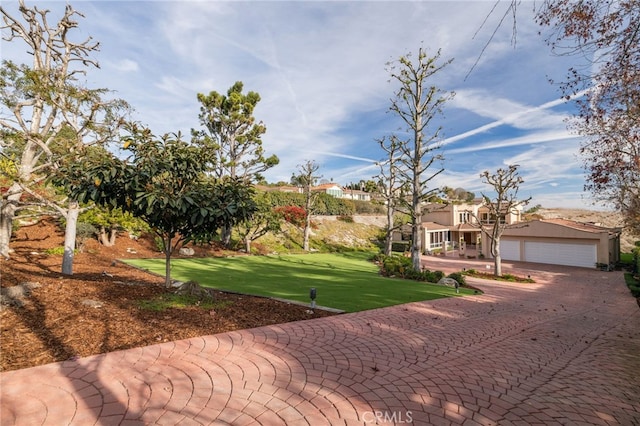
{"x": 295, "y": 215}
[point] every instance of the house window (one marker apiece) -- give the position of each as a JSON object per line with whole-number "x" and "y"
{"x": 463, "y": 217}
{"x": 437, "y": 238}
{"x": 489, "y": 219}
{"x": 335, "y": 192}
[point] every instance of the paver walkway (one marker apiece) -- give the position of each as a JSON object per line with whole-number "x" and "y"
{"x": 565, "y": 350}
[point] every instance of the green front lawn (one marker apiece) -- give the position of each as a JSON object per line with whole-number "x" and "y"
{"x": 345, "y": 281}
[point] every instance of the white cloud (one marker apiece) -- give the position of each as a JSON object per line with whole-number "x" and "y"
{"x": 125, "y": 65}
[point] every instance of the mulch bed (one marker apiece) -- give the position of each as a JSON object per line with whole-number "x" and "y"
{"x": 97, "y": 309}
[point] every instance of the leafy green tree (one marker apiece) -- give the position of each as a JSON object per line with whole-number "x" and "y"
{"x": 364, "y": 185}
{"x": 109, "y": 221}
{"x": 234, "y": 137}
{"x": 306, "y": 179}
{"x": 164, "y": 183}
{"x": 266, "y": 219}
{"x": 416, "y": 103}
{"x": 48, "y": 115}
{"x": 458, "y": 194}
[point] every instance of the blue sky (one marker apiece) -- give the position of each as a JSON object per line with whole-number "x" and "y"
{"x": 319, "y": 68}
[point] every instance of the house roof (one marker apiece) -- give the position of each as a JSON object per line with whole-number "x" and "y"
{"x": 582, "y": 226}
{"x": 324, "y": 186}
{"x": 465, "y": 227}
{"x": 433, "y": 226}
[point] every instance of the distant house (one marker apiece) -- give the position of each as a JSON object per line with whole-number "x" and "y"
{"x": 338, "y": 191}
{"x": 332, "y": 189}
{"x": 356, "y": 194}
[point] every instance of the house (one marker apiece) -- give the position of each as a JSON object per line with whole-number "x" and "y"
{"x": 552, "y": 241}
{"x": 332, "y": 189}
{"x": 457, "y": 223}
{"x": 338, "y": 191}
{"x": 559, "y": 242}
{"x": 356, "y": 194}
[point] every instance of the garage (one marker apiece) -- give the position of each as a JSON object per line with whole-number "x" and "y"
{"x": 510, "y": 250}
{"x": 557, "y": 242}
{"x": 583, "y": 255}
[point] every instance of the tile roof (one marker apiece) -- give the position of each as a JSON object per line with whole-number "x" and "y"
{"x": 582, "y": 226}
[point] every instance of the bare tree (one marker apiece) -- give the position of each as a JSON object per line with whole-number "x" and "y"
{"x": 48, "y": 116}
{"x": 306, "y": 179}
{"x": 391, "y": 189}
{"x": 505, "y": 183}
{"x": 417, "y": 102}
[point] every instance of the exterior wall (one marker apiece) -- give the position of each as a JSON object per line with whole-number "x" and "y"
{"x": 438, "y": 213}
{"x": 351, "y": 194}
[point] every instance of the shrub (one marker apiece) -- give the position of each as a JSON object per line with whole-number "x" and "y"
{"x": 636, "y": 257}
{"x": 57, "y": 251}
{"x": 459, "y": 277}
{"x": 294, "y": 215}
{"x": 397, "y": 266}
{"x": 400, "y": 246}
{"x": 345, "y": 218}
{"x": 633, "y": 284}
{"x": 368, "y": 207}
{"x": 402, "y": 267}
{"x": 84, "y": 231}
{"x": 432, "y": 276}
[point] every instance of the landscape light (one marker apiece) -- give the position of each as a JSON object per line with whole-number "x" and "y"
{"x": 312, "y": 296}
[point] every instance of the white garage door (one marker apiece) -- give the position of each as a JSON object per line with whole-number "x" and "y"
{"x": 509, "y": 250}
{"x": 584, "y": 255}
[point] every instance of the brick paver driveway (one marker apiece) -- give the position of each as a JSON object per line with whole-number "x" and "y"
{"x": 565, "y": 350}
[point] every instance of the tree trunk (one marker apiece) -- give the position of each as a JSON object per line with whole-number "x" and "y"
{"x": 388, "y": 243}
{"x": 102, "y": 236}
{"x": 107, "y": 239}
{"x": 416, "y": 239}
{"x": 167, "y": 262}
{"x": 416, "y": 253}
{"x": 7, "y": 214}
{"x": 113, "y": 234}
{"x": 388, "y": 238}
{"x": 306, "y": 233}
{"x": 497, "y": 260}
{"x": 247, "y": 245}
{"x": 225, "y": 236}
{"x": 70, "y": 238}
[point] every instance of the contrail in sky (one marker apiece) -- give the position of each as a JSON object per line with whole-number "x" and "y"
{"x": 511, "y": 117}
